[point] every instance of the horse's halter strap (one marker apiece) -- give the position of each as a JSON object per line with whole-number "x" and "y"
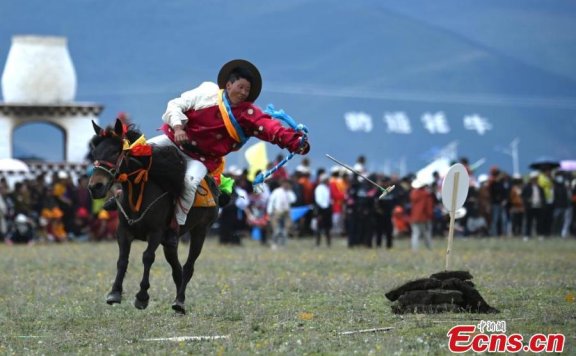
{"x": 141, "y": 174}
{"x": 141, "y": 177}
{"x": 108, "y": 167}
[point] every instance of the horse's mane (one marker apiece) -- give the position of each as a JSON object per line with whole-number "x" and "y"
{"x": 167, "y": 169}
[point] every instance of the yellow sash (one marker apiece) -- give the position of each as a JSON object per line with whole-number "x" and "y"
{"x": 227, "y": 122}
{"x": 128, "y": 146}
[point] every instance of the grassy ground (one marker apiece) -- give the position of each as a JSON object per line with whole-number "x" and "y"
{"x": 295, "y": 300}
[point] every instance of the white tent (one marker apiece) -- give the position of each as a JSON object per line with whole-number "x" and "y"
{"x": 441, "y": 165}
{"x": 13, "y": 165}
{"x": 13, "y": 170}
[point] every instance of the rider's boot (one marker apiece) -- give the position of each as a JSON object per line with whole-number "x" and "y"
{"x": 178, "y": 229}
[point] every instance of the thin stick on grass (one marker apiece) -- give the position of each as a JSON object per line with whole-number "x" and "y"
{"x": 373, "y": 330}
{"x": 188, "y": 338}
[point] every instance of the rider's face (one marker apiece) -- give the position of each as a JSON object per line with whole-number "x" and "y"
{"x": 238, "y": 91}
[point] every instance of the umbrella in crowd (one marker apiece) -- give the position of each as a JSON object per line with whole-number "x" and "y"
{"x": 545, "y": 163}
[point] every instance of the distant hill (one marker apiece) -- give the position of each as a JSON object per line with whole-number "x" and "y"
{"x": 356, "y": 73}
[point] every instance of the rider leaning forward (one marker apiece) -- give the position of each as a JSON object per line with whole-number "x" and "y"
{"x": 212, "y": 120}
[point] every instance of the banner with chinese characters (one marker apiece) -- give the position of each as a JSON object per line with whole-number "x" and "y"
{"x": 402, "y": 137}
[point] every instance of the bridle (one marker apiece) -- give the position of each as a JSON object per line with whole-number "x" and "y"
{"x": 141, "y": 178}
{"x": 111, "y": 169}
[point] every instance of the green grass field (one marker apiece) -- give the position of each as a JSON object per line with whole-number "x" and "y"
{"x": 296, "y": 300}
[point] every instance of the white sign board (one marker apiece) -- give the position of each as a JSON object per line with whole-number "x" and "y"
{"x": 454, "y": 192}
{"x": 455, "y": 187}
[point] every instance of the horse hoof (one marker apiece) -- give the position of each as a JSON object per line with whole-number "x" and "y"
{"x": 114, "y": 298}
{"x": 140, "y": 304}
{"x": 179, "y": 308}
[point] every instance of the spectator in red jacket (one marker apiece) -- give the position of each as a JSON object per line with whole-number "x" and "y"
{"x": 338, "y": 189}
{"x": 421, "y": 213}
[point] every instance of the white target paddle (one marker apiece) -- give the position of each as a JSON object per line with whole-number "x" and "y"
{"x": 454, "y": 192}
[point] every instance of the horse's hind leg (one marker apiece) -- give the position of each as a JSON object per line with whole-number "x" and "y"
{"x": 170, "y": 246}
{"x": 148, "y": 258}
{"x": 197, "y": 236}
{"x": 124, "y": 244}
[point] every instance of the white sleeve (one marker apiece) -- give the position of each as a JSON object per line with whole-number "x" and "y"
{"x": 291, "y": 196}
{"x": 270, "y": 205}
{"x": 176, "y": 108}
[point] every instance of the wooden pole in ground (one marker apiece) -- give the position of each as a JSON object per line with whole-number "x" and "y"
{"x": 452, "y": 221}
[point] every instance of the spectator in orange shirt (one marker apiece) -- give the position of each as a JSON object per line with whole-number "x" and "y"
{"x": 421, "y": 213}
{"x": 54, "y": 227}
{"x": 63, "y": 191}
{"x": 400, "y": 221}
{"x": 338, "y": 194}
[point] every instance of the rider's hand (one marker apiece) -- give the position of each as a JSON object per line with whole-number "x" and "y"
{"x": 304, "y": 149}
{"x": 180, "y": 136}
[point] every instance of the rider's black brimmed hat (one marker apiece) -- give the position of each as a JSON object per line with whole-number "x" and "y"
{"x": 228, "y": 68}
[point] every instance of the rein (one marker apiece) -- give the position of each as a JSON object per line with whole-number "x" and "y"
{"x": 131, "y": 221}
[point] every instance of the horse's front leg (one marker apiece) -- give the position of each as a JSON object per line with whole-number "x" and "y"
{"x": 148, "y": 258}
{"x": 197, "y": 236}
{"x": 124, "y": 244}
{"x": 170, "y": 245}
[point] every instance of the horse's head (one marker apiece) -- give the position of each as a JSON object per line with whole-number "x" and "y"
{"x": 107, "y": 155}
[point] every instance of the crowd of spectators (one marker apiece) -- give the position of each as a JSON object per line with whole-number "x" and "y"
{"x": 333, "y": 203}
{"x": 342, "y": 204}
{"x": 52, "y": 209}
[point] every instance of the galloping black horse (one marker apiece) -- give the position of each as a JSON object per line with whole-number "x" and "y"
{"x": 152, "y": 178}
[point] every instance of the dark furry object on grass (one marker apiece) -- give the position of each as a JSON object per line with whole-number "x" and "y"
{"x": 445, "y": 291}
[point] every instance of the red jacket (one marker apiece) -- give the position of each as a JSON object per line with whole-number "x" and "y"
{"x": 337, "y": 194}
{"x": 422, "y": 206}
{"x": 207, "y": 132}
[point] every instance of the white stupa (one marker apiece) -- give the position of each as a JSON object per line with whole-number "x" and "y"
{"x": 39, "y": 85}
